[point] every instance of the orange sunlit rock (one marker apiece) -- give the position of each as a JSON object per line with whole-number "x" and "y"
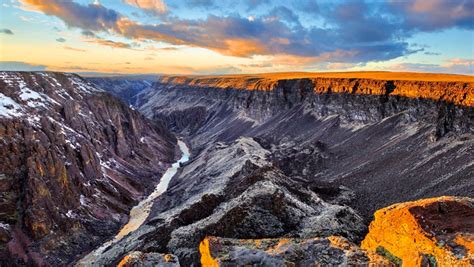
{"x": 457, "y": 89}
{"x": 205, "y": 251}
{"x": 437, "y": 229}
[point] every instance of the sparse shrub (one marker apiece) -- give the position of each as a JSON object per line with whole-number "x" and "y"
{"x": 386, "y": 254}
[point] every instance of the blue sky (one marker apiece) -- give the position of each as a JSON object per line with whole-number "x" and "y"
{"x": 242, "y": 36}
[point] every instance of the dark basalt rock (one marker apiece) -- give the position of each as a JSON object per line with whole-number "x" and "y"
{"x": 74, "y": 160}
{"x": 140, "y": 259}
{"x": 329, "y": 251}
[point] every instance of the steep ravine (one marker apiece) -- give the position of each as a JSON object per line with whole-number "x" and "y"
{"x": 140, "y": 212}
{"x": 74, "y": 161}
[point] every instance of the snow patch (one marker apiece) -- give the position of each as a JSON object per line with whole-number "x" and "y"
{"x": 82, "y": 200}
{"x": 9, "y": 108}
{"x": 70, "y": 214}
{"x": 5, "y": 226}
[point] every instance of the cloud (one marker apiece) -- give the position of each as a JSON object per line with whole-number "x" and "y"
{"x": 459, "y": 65}
{"x": 93, "y": 17}
{"x": 6, "y": 31}
{"x": 307, "y": 6}
{"x": 453, "y": 65}
{"x": 88, "y": 34}
{"x": 218, "y": 70}
{"x": 20, "y": 66}
{"x": 200, "y": 3}
{"x": 110, "y": 43}
{"x": 252, "y": 4}
{"x": 153, "y": 6}
{"x": 73, "y": 49}
{"x": 435, "y": 15}
{"x": 61, "y": 40}
{"x": 348, "y": 36}
{"x": 284, "y": 14}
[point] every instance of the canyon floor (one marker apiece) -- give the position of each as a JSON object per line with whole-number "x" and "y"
{"x": 285, "y": 169}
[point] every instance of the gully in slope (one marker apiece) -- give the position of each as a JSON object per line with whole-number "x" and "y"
{"x": 140, "y": 212}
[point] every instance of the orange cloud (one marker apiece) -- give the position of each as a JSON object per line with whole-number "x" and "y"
{"x": 156, "y": 6}
{"x": 296, "y": 60}
{"x": 241, "y": 48}
{"x": 73, "y": 49}
{"x": 110, "y": 43}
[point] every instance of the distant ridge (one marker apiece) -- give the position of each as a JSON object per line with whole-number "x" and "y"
{"x": 451, "y": 88}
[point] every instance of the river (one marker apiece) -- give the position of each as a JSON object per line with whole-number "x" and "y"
{"x": 140, "y": 212}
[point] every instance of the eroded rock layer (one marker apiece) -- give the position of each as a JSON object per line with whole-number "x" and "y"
{"x": 74, "y": 160}
{"x": 434, "y": 232}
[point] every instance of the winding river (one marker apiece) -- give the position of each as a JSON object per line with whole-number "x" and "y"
{"x": 140, "y": 212}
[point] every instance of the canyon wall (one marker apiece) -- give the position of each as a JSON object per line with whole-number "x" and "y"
{"x": 74, "y": 161}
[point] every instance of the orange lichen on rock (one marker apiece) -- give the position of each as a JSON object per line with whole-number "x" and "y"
{"x": 279, "y": 247}
{"x": 438, "y": 229}
{"x": 205, "y": 251}
{"x": 124, "y": 261}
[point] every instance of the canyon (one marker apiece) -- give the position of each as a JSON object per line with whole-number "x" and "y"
{"x": 285, "y": 168}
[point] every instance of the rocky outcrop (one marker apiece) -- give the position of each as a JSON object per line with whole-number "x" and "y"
{"x": 74, "y": 160}
{"x": 328, "y": 251}
{"x": 428, "y": 232}
{"x": 140, "y": 259}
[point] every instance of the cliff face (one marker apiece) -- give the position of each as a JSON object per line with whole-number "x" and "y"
{"x": 74, "y": 161}
{"x": 409, "y": 139}
{"x": 433, "y": 232}
{"x": 448, "y": 105}
{"x": 452, "y": 88}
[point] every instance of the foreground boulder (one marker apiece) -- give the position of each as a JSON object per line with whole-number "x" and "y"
{"x": 429, "y": 232}
{"x": 329, "y": 251}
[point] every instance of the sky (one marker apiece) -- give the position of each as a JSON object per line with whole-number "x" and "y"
{"x": 238, "y": 36}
